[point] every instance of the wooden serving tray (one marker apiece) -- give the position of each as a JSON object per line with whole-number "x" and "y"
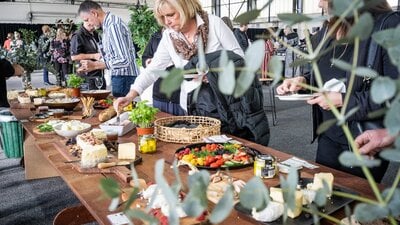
{"x": 123, "y": 172}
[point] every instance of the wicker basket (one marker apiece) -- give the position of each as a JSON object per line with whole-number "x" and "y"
{"x": 207, "y": 127}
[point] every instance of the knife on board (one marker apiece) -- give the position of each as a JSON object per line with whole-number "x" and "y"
{"x": 111, "y": 164}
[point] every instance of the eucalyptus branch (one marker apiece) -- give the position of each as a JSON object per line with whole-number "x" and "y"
{"x": 323, "y": 215}
{"x": 392, "y": 220}
{"x": 353, "y": 67}
{"x": 366, "y": 171}
{"x": 355, "y": 197}
{"x": 394, "y": 186}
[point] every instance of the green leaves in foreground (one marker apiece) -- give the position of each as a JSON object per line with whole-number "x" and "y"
{"x": 253, "y": 58}
{"x": 223, "y": 208}
{"x": 392, "y": 119}
{"x": 254, "y": 194}
{"x": 383, "y": 89}
{"x": 349, "y": 159}
{"x": 275, "y": 67}
{"x": 196, "y": 200}
{"x": 363, "y": 28}
{"x": 110, "y": 187}
{"x": 226, "y": 78}
{"x": 293, "y": 18}
{"x": 368, "y": 213}
{"x": 172, "y": 82}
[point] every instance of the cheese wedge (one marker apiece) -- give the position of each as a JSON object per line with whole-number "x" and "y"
{"x": 318, "y": 181}
{"x": 277, "y": 196}
{"x": 127, "y": 151}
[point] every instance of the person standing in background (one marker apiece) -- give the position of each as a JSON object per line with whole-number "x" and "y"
{"x": 116, "y": 48}
{"x": 6, "y": 71}
{"x": 43, "y": 52}
{"x": 59, "y": 48}
{"x": 7, "y": 42}
{"x": 269, "y": 51}
{"x": 84, "y": 46}
{"x": 241, "y": 36}
{"x": 17, "y": 42}
{"x": 292, "y": 38}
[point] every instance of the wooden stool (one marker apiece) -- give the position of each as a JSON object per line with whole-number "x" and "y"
{"x": 75, "y": 215}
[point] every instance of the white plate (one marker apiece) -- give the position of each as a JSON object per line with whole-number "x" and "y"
{"x": 121, "y": 129}
{"x": 295, "y": 97}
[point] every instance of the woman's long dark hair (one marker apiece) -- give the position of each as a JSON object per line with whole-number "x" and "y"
{"x": 375, "y": 7}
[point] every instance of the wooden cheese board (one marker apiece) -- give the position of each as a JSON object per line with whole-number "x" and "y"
{"x": 123, "y": 172}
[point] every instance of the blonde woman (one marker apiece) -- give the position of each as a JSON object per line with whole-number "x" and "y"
{"x": 60, "y": 54}
{"x": 185, "y": 22}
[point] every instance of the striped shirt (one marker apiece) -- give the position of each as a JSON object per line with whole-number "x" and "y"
{"x": 117, "y": 47}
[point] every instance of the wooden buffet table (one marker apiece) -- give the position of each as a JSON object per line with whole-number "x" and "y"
{"x": 40, "y": 152}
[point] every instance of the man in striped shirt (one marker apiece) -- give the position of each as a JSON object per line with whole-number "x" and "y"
{"x": 116, "y": 47}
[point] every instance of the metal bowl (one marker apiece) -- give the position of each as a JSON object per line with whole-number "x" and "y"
{"x": 96, "y": 94}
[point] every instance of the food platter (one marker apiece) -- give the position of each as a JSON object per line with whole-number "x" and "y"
{"x": 67, "y": 104}
{"x": 333, "y": 204}
{"x": 217, "y": 155}
{"x": 295, "y": 97}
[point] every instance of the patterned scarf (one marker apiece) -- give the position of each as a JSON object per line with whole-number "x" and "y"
{"x": 187, "y": 50}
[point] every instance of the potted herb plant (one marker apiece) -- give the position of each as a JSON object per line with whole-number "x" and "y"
{"x": 143, "y": 116}
{"x": 74, "y": 82}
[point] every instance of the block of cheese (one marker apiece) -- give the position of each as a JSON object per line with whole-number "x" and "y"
{"x": 277, "y": 196}
{"x": 318, "y": 181}
{"x": 93, "y": 150}
{"x": 99, "y": 134}
{"x": 127, "y": 151}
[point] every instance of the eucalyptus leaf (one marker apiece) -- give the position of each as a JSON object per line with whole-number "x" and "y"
{"x": 193, "y": 206}
{"x": 322, "y": 193}
{"x": 132, "y": 197}
{"x": 223, "y": 59}
{"x": 196, "y": 200}
{"x": 392, "y": 155}
{"x": 178, "y": 182}
{"x": 275, "y": 67}
{"x": 326, "y": 125}
{"x": 394, "y": 202}
{"x": 341, "y": 64}
{"x": 392, "y": 119}
{"x": 394, "y": 55}
{"x": 254, "y": 55}
{"x": 368, "y": 213}
{"x": 347, "y": 212}
{"x": 172, "y": 82}
{"x": 377, "y": 113}
{"x": 226, "y": 79}
{"x": 247, "y": 17}
{"x": 293, "y": 18}
{"x": 382, "y": 89}
{"x": 223, "y": 207}
{"x": 137, "y": 213}
{"x": 365, "y": 72}
{"x": 363, "y": 28}
{"x": 243, "y": 83}
{"x": 349, "y": 114}
{"x": 289, "y": 186}
{"x": 114, "y": 204}
{"x": 201, "y": 55}
{"x": 299, "y": 62}
{"x": 172, "y": 200}
{"x": 349, "y": 159}
{"x": 340, "y": 6}
{"x": 110, "y": 187}
{"x": 254, "y": 194}
{"x": 314, "y": 212}
{"x": 397, "y": 142}
{"x": 388, "y": 38}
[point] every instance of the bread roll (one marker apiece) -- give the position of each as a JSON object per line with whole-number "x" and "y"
{"x": 107, "y": 114}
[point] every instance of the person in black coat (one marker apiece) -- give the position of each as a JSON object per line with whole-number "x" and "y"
{"x": 6, "y": 71}
{"x": 333, "y": 141}
{"x": 241, "y": 36}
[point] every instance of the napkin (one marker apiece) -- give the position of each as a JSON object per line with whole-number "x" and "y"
{"x": 296, "y": 162}
{"x": 220, "y": 139}
{"x": 335, "y": 85}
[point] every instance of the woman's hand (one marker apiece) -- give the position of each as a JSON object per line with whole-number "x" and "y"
{"x": 290, "y": 85}
{"x": 18, "y": 70}
{"x": 124, "y": 101}
{"x": 320, "y": 99}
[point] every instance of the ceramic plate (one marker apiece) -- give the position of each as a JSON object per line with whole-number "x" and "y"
{"x": 295, "y": 97}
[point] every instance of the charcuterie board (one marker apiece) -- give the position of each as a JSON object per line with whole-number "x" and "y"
{"x": 123, "y": 172}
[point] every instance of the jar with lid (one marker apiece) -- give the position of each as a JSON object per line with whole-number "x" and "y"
{"x": 147, "y": 141}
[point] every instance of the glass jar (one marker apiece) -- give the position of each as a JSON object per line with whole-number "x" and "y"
{"x": 147, "y": 143}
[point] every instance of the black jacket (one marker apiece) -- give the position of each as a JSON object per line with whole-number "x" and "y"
{"x": 242, "y": 38}
{"x": 244, "y": 116}
{"x": 360, "y": 96}
{"x": 6, "y": 71}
